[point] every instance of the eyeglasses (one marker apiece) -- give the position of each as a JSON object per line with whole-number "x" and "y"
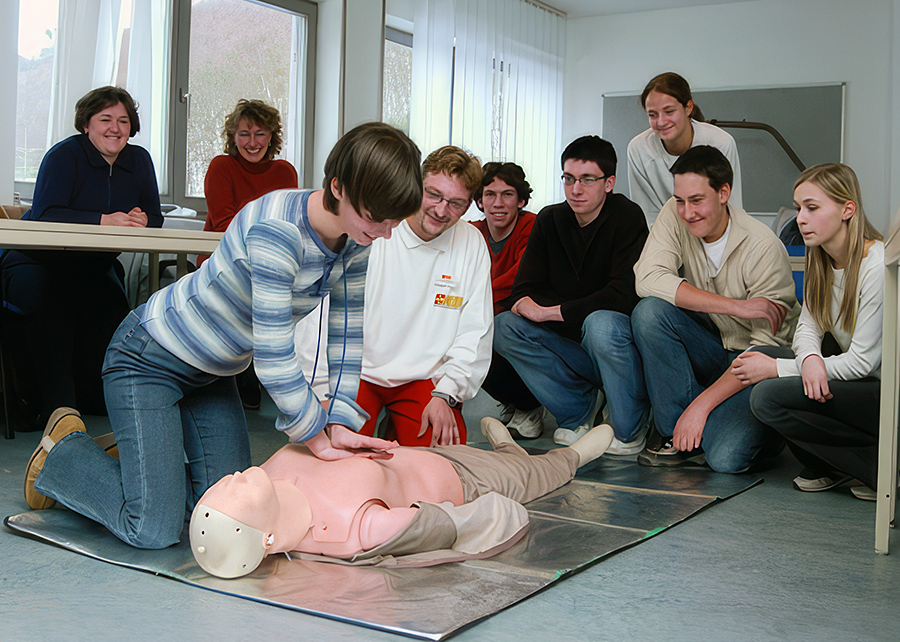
{"x": 456, "y": 205}
{"x": 586, "y": 181}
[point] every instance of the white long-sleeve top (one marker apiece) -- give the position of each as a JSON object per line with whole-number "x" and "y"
{"x": 861, "y": 355}
{"x": 429, "y": 311}
{"x": 649, "y": 180}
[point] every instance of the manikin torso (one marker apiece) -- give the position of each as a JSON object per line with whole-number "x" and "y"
{"x": 340, "y": 492}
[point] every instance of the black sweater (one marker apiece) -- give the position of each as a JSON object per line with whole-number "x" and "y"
{"x": 600, "y": 277}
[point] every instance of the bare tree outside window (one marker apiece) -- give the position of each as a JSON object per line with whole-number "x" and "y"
{"x": 397, "y": 94}
{"x": 238, "y": 49}
{"x": 37, "y": 49}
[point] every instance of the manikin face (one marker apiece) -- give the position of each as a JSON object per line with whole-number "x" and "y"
{"x": 252, "y": 141}
{"x": 109, "y": 131}
{"x": 501, "y": 205}
{"x": 669, "y": 119}
{"x": 586, "y": 201}
{"x": 822, "y": 221}
{"x": 248, "y": 497}
{"x": 702, "y": 209}
{"x": 444, "y": 202}
{"x": 360, "y": 226}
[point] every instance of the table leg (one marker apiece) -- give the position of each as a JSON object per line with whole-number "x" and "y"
{"x": 887, "y": 439}
{"x": 154, "y": 272}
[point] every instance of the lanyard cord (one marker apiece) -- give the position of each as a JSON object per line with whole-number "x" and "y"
{"x": 337, "y": 385}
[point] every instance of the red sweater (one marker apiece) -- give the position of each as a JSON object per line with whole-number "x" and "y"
{"x": 505, "y": 263}
{"x": 231, "y": 182}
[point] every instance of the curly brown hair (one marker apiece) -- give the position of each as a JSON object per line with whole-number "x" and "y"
{"x": 511, "y": 174}
{"x": 257, "y": 113}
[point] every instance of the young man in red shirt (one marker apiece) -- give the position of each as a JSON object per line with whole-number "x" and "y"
{"x": 502, "y": 197}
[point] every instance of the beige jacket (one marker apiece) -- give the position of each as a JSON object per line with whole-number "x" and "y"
{"x": 755, "y": 264}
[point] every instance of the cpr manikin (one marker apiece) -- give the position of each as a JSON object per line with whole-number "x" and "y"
{"x": 454, "y": 499}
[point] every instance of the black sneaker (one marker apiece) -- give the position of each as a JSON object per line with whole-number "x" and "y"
{"x": 669, "y": 456}
{"x": 814, "y": 481}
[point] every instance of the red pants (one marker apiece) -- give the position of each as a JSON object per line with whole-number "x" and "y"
{"x": 404, "y": 405}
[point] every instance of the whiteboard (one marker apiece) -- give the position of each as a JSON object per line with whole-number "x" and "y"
{"x": 810, "y": 118}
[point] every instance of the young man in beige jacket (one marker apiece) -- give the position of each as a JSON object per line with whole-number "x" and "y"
{"x": 714, "y": 282}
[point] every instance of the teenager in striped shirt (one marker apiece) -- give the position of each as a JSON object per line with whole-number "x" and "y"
{"x": 169, "y": 370}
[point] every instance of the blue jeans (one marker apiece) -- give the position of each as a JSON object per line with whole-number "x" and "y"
{"x": 683, "y": 355}
{"x": 565, "y": 376}
{"x": 161, "y": 410}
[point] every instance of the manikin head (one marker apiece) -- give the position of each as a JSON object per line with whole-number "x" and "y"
{"x": 240, "y": 520}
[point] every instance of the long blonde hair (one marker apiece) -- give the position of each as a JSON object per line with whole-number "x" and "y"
{"x": 840, "y": 184}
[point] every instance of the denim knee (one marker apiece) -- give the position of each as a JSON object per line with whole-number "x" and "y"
{"x": 649, "y": 314}
{"x": 728, "y": 458}
{"x": 160, "y": 534}
{"x": 605, "y": 328}
{"x": 505, "y": 330}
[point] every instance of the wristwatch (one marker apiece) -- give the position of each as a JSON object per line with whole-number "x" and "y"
{"x": 451, "y": 401}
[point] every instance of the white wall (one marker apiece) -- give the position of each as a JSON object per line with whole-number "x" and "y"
{"x": 9, "y": 66}
{"x": 753, "y": 44}
{"x": 349, "y": 69}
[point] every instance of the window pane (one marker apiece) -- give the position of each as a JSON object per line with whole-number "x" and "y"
{"x": 238, "y": 49}
{"x": 37, "y": 45}
{"x": 397, "y": 85}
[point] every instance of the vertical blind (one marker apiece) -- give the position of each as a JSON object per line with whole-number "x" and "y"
{"x": 489, "y": 78}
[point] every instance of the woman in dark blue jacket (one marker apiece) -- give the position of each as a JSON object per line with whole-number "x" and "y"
{"x": 66, "y": 304}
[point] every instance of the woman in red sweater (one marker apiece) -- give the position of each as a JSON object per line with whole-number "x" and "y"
{"x": 246, "y": 171}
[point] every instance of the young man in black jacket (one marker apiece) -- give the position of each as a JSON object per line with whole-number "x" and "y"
{"x": 568, "y": 333}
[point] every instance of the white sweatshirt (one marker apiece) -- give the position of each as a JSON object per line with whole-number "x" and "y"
{"x": 429, "y": 311}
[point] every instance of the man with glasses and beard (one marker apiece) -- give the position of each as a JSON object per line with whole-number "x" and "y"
{"x": 429, "y": 311}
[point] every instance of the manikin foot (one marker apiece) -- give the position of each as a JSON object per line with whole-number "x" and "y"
{"x": 498, "y": 435}
{"x": 593, "y": 444}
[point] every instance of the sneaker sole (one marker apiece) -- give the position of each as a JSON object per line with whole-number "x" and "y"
{"x": 627, "y": 451}
{"x": 654, "y": 461}
{"x": 835, "y": 483}
{"x": 864, "y": 493}
{"x": 34, "y": 499}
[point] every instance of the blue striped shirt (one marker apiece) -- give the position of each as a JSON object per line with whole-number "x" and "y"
{"x": 268, "y": 272}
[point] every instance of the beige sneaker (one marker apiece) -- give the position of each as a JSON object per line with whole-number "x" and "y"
{"x": 63, "y": 422}
{"x": 864, "y": 493}
{"x": 529, "y": 424}
{"x": 566, "y": 437}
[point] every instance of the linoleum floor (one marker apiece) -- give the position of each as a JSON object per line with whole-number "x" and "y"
{"x": 769, "y": 564}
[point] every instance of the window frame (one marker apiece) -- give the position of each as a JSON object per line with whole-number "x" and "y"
{"x": 176, "y": 142}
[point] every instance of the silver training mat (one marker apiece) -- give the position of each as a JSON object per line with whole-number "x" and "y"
{"x": 611, "y": 505}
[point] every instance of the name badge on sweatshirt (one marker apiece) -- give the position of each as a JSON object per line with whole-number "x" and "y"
{"x": 446, "y": 301}
{"x": 444, "y": 281}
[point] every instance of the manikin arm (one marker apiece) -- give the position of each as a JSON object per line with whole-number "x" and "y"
{"x": 379, "y": 524}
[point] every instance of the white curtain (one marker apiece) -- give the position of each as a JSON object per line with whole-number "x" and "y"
{"x": 73, "y": 64}
{"x": 488, "y": 76}
{"x": 148, "y": 78}
{"x": 89, "y": 55}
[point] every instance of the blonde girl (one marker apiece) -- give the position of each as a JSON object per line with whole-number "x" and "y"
{"x": 824, "y": 401}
